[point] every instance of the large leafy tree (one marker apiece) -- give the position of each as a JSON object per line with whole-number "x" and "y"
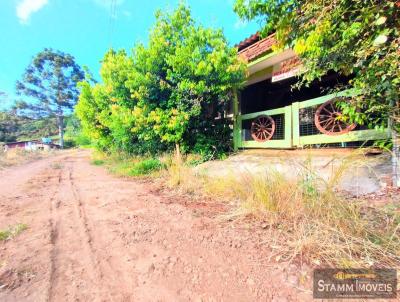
{"x": 170, "y": 93}
{"x": 360, "y": 38}
{"x": 50, "y": 83}
{"x": 104, "y": 108}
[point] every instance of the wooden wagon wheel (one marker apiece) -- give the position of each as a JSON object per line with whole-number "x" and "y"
{"x": 262, "y": 128}
{"x": 328, "y": 119}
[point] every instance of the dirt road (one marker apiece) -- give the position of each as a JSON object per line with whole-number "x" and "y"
{"x": 95, "y": 237}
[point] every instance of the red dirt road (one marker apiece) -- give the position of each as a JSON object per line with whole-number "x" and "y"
{"x": 94, "y": 237}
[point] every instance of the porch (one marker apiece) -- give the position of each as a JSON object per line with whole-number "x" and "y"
{"x": 294, "y": 127}
{"x": 270, "y": 113}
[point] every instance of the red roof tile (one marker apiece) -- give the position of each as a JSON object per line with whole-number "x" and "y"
{"x": 248, "y": 41}
{"x": 251, "y": 50}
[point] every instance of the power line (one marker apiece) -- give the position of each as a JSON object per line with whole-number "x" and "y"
{"x": 113, "y": 7}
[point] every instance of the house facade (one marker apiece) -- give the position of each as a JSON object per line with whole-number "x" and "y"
{"x": 31, "y": 145}
{"x": 269, "y": 113}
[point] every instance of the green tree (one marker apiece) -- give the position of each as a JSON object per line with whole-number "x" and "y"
{"x": 14, "y": 127}
{"x": 36, "y": 128}
{"x": 9, "y": 125}
{"x": 170, "y": 93}
{"x": 358, "y": 37}
{"x": 73, "y": 132}
{"x": 50, "y": 83}
{"x": 104, "y": 109}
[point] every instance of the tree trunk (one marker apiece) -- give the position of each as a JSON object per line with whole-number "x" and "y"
{"x": 61, "y": 130}
{"x": 396, "y": 158}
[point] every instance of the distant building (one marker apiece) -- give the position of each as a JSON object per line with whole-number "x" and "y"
{"x": 31, "y": 145}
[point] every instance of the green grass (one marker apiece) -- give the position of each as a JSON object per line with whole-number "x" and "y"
{"x": 146, "y": 167}
{"x": 12, "y": 231}
{"x": 124, "y": 165}
{"x": 98, "y": 162}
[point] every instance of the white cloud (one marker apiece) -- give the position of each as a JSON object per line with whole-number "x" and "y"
{"x": 26, "y": 8}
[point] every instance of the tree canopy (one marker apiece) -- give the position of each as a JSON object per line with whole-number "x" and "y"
{"x": 50, "y": 83}
{"x": 353, "y": 37}
{"x": 171, "y": 91}
{"x": 14, "y": 127}
{"x": 9, "y": 125}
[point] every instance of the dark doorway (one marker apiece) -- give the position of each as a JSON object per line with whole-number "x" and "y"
{"x": 266, "y": 95}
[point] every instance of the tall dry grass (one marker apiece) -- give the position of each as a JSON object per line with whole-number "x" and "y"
{"x": 19, "y": 156}
{"x": 304, "y": 215}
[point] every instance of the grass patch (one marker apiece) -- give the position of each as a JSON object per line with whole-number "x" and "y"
{"x": 12, "y": 231}
{"x": 56, "y": 166}
{"x": 146, "y": 167}
{"x": 129, "y": 165}
{"x": 98, "y": 162}
{"x": 304, "y": 215}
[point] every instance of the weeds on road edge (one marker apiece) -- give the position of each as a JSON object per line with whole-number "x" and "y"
{"x": 17, "y": 156}
{"x": 305, "y": 216}
{"x": 12, "y": 231}
{"x": 98, "y": 162}
{"x": 124, "y": 165}
{"x": 56, "y": 166}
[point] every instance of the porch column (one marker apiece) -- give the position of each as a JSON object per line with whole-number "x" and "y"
{"x": 236, "y": 124}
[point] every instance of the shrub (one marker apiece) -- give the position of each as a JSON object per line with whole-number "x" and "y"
{"x": 168, "y": 94}
{"x": 69, "y": 143}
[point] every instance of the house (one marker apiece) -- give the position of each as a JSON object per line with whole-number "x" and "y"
{"x": 31, "y": 145}
{"x": 268, "y": 113}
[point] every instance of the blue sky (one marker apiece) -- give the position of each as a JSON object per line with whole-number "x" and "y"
{"x": 82, "y": 28}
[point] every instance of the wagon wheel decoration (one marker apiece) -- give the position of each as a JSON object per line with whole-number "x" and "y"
{"x": 262, "y": 128}
{"x": 328, "y": 119}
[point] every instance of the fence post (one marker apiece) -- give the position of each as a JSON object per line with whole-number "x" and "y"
{"x": 296, "y": 124}
{"x": 288, "y": 126}
{"x": 236, "y": 121}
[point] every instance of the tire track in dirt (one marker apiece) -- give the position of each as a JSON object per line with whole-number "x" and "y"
{"x": 38, "y": 186}
{"x": 114, "y": 283}
{"x": 68, "y": 216}
{"x": 88, "y": 240}
{"x": 53, "y": 226}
